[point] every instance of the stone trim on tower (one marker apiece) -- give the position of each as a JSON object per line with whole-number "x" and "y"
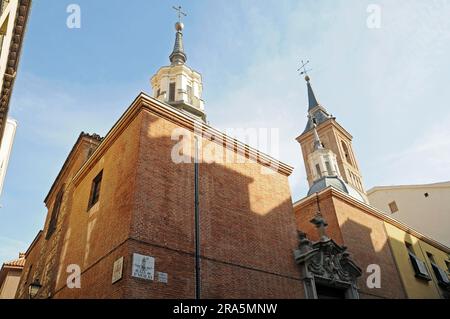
{"x": 177, "y": 84}
{"x": 333, "y": 162}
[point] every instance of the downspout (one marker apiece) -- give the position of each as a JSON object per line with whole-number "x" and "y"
{"x": 197, "y": 223}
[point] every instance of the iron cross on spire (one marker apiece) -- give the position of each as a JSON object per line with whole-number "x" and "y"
{"x": 179, "y": 12}
{"x": 303, "y": 71}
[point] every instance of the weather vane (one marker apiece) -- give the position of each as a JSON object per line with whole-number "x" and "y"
{"x": 302, "y": 69}
{"x": 179, "y": 12}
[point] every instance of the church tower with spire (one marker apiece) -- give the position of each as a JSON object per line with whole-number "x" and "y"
{"x": 178, "y": 84}
{"x": 328, "y": 153}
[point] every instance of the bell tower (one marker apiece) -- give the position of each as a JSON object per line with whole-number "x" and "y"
{"x": 335, "y": 139}
{"x": 178, "y": 84}
{"x": 322, "y": 162}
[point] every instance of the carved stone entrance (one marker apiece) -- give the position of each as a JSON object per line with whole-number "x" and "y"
{"x": 326, "y": 268}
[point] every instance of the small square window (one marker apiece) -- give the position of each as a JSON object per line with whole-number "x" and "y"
{"x": 95, "y": 190}
{"x": 393, "y": 207}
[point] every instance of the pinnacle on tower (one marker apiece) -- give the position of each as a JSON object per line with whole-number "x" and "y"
{"x": 178, "y": 56}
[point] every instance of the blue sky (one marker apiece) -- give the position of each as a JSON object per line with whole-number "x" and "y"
{"x": 388, "y": 87}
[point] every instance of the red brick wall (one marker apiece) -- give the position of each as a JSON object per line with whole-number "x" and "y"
{"x": 91, "y": 235}
{"x": 327, "y": 208}
{"x": 362, "y": 233}
{"x": 247, "y": 226}
{"x": 146, "y": 206}
{"x": 44, "y": 257}
{"x": 30, "y": 270}
{"x": 367, "y": 240}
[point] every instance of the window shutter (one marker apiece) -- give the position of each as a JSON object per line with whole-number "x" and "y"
{"x": 441, "y": 275}
{"x": 419, "y": 267}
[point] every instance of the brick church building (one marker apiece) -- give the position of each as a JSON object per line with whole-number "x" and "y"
{"x": 144, "y": 213}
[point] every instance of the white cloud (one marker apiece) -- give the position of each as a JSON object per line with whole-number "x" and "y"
{"x": 10, "y": 249}
{"x": 426, "y": 160}
{"x": 379, "y": 83}
{"x": 55, "y": 113}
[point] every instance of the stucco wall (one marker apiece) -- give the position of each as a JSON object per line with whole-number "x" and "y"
{"x": 429, "y": 215}
{"x": 10, "y": 284}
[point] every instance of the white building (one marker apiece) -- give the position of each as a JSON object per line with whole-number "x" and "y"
{"x": 423, "y": 207}
{"x": 13, "y": 21}
{"x": 5, "y": 149}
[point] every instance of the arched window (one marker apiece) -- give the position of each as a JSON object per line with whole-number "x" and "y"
{"x": 346, "y": 153}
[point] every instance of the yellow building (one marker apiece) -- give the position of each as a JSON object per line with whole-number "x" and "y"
{"x": 422, "y": 262}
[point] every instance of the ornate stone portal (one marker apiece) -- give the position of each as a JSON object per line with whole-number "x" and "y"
{"x": 325, "y": 264}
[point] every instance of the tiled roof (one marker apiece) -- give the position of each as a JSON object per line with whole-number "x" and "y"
{"x": 16, "y": 263}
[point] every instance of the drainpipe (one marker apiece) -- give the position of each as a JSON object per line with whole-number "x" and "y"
{"x": 197, "y": 223}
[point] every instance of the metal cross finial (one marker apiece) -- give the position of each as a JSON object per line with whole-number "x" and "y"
{"x": 179, "y": 12}
{"x": 303, "y": 69}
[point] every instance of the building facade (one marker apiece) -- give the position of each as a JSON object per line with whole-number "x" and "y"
{"x": 166, "y": 206}
{"x": 424, "y": 207}
{"x": 375, "y": 240}
{"x": 423, "y": 263}
{"x": 6, "y": 149}
{"x": 10, "y": 274}
{"x": 13, "y": 21}
{"x": 143, "y": 218}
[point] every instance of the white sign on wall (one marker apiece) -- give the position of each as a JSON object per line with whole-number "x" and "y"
{"x": 162, "y": 277}
{"x": 143, "y": 267}
{"x": 117, "y": 270}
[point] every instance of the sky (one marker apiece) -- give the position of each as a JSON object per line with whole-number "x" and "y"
{"x": 388, "y": 85}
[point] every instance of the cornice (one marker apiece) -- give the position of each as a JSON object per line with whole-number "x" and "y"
{"x": 15, "y": 48}
{"x": 403, "y": 187}
{"x": 169, "y": 69}
{"x": 324, "y": 126}
{"x": 33, "y": 243}
{"x": 145, "y": 102}
{"x": 82, "y": 137}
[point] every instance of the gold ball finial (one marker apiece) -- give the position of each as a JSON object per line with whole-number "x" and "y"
{"x": 307, "y": 78}
{"x": 179, "y": 26}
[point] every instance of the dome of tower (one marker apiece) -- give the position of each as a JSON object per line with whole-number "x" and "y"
{"x": 338, "y": 184}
